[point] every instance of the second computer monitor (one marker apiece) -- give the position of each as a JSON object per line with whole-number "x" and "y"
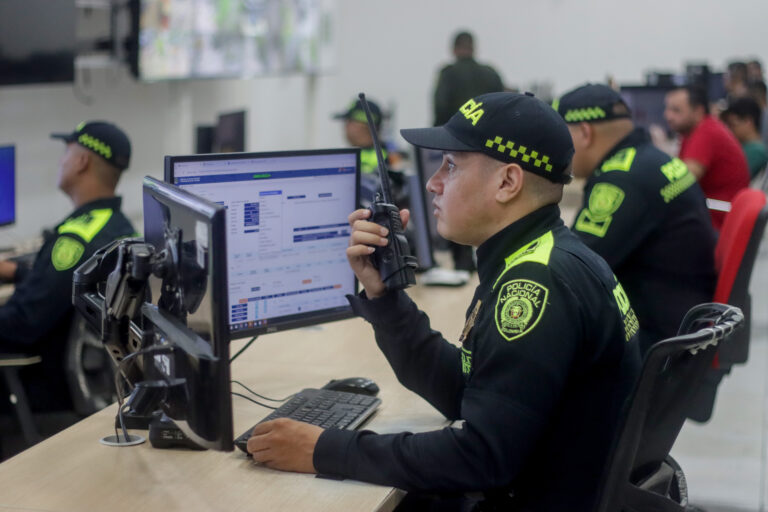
{"x": 7, "y": 185}
{"x": 287, "y": 232}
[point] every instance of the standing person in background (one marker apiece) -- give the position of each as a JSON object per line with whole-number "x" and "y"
{"x": 463, "y": 79}
{"x": 709, "y": 150}
{"x": 736, "y": 79}
{"x": 743, "y": 117}
{"x": 754, "y": 71}
{"x": 757, "y": 91}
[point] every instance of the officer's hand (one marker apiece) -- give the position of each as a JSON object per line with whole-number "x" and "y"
{"x": 284, "y": 444}
{"x": 364, "y": 238}
{"x": 7, "y": 270}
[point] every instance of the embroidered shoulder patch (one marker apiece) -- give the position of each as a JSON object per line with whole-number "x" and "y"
{"x": 519, "y": 307}
{"x": 66, "y": 253}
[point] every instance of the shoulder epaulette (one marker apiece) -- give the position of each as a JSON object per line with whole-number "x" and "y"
{"x": 88, "y": 225}
{"x": 537, "y": 251}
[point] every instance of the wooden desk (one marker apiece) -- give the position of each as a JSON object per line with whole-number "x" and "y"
{"x": 73, "y": 472}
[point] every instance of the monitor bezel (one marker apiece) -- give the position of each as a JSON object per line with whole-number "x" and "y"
{"x": 11, "y": 222}
{"x": 304, "y": 321}
{"x": 214, "y": 216}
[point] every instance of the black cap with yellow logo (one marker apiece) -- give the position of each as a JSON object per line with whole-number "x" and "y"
{"x": 510, "y": 127}
{"x": 355, "y": 112}
{"x": 591, "y": 103}
{"x": 105, "y": 139}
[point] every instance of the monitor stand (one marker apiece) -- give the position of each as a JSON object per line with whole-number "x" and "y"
{"x": 121, "y": 440}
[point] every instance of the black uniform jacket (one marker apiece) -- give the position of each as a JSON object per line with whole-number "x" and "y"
{"x": 460, "y": 81}
{"x": 539, "y": 380}
{"x": 646, "y": 215}
{"x": 37, "y": 316}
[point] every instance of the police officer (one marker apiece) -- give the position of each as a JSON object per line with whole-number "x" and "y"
{"x": 642, "y": 211}
{"x": 358, "y": 135}
{"x": 547, "y": 356}
{"x": 37, "y": 316}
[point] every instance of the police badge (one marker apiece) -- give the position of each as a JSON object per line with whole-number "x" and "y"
{"x": 519, "y": 307}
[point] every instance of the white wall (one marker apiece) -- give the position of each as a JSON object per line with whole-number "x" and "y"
{"x": 391, "y": 50}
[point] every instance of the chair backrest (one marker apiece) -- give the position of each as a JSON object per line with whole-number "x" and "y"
{"x": 657, "y": 409}
{"x": 737, "y": 246}
{"x": 89, "y": 369}
{"x": 735, "y": 256}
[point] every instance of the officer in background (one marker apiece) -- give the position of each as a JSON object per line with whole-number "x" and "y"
{"x": 548, "y": 353}
{"x": 464, "y": 78}
{"x": 642, "y": 211}
{"x": 37, "y": 316}
{"x": 358, "y": 135}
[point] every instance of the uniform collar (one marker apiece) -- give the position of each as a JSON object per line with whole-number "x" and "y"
{"x": 491, "y": 253}
{"x": 107, "y": 202}
{"x": 636, "y": 137}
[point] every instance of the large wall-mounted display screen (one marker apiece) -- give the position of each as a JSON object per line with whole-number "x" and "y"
{"x": 180, "y": 39}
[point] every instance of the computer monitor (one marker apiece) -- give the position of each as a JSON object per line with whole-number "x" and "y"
{"x": 190, "y": 315}
{"x": 647, "y": 104}
{"x": 204, "y": 135}
{"x": 287, "y": 232}
{"x": 7, "y": 185}
{"x": 229, "y": 134}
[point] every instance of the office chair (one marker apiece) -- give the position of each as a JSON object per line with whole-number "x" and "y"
{"x": 89, "y": 369}
{"x": 735, "y": 256}
{"x": 10, "y": 364}
{"x": 640, "y": 474}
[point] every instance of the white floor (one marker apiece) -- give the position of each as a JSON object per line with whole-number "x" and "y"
{"x": 724, "y": 460}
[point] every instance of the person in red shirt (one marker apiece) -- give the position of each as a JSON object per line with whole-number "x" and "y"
{"x": 710, "y": 151}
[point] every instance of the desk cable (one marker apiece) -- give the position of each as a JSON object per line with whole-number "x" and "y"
{"x": 119, "y": 381}
{"x": 258, "y": 395}
{"x": 243, "y": 349}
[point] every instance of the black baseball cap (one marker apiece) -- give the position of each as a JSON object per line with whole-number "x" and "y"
{"x": 103, "y": 138}
{"x": 355, "y": 112}
{"x": 510, "y": 127}
{"x": 591, "y": 103}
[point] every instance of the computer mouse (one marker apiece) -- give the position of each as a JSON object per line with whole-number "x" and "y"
{"x": 360, "y": 385}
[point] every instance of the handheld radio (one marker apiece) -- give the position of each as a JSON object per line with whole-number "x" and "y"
{"x": 395, "y": 263}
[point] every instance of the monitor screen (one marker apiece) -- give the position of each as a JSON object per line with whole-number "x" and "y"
{"x": 7, "y": 185}
{"x": 182, "y": 39}
{"x": 190, "y": 315}
{"x": 287, "y": 232}
{"x": 229, "y": 136}
{"x": 646, "y": 104}
{"x": 37, "y": 41}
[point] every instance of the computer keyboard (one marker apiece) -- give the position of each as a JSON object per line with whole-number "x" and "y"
{"x": 322, "y": 407}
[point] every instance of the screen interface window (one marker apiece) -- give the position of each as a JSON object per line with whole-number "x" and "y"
{"x": 287, "y": 232}
{"x": 7, "y": 186}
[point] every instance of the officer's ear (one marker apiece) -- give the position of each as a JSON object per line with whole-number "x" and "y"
{"x": 510, "y": 183}
{"x": 586, "y": 134}
{"x": 82, "y": 159}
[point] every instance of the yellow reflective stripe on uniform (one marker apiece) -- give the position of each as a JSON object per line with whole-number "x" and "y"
{"x": 621, "y": 161}
{"x": 369, "y": 163}
{"x": 537, "y": 251}
{"x": 88, "y": 225}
